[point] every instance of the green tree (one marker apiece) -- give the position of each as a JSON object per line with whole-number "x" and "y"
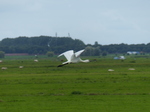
{"x": 92, "y": 51}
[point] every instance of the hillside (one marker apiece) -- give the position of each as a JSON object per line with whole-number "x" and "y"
{"x": 43, "y": 44}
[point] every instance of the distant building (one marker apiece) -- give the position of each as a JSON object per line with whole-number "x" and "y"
{"x": 133, "y": 52}
{"x": 120, "y": 57}
{"x": 116, "y": 58}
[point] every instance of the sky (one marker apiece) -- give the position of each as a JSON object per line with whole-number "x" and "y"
{"x": 104, "y": 21}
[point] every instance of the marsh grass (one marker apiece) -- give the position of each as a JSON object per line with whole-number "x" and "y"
{"x": 43, "y": 87}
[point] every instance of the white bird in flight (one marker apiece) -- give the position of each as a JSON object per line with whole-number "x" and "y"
{"x": 72, "y": 57}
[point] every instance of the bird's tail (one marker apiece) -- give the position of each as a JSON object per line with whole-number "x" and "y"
{"x": 85, "y": 61}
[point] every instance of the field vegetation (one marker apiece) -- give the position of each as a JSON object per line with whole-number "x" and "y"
{"x": 84, "y": 87}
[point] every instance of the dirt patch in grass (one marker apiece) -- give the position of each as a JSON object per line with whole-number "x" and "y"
{"x": 118, "y": 94}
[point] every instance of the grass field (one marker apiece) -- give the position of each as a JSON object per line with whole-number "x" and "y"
{"x": 83, "y": 87}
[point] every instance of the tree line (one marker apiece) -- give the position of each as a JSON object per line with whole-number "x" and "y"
{"x": 57, "y": 45}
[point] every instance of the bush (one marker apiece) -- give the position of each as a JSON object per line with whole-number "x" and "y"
{"x": 2, "y": 54}
{"x": 104, "y": 53}
{"x": 50, "y": 54}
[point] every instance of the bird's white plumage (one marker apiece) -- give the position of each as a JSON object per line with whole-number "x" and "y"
{"x": 67, "y": 54}
{"x": 73, "y": 57}
{"x": 77, "y": 54}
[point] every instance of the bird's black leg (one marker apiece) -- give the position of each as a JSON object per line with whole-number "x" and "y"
{"x": 62, "y": 65}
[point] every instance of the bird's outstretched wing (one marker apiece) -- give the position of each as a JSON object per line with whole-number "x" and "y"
{"x": 67, "y": 54}
{"x": 77, "y": 54}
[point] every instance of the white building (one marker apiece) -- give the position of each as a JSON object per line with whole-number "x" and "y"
{"x": 133, "y": 52}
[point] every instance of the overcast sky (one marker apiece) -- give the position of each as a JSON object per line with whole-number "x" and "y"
{"x": 104, "y": 21}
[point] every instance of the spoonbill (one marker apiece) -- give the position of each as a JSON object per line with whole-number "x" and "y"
{"x": 72, "y": 57}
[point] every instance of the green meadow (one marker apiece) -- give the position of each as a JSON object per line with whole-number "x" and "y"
{"x": 83, "y": 87}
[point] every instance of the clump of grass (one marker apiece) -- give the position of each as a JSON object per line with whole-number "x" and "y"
{"x": 133, "y": 61}
{"x": 76, "y": 92}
